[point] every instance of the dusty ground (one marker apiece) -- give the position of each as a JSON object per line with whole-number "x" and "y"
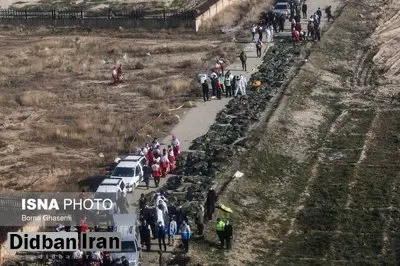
{"x": 59, "y": 112}
{"x": 323, "y": 188}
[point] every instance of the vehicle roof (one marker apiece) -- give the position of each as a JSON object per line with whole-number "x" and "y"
{"x": 133, "y": 158}
{"x": 125, "y": 219}
{"x": 282, "y": 4}
{"x": 110, "y": 181}
{"x": 130, "y": 164}
{"x": 107, "y": 188}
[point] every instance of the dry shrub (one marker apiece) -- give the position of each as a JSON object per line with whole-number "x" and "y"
{"x": 36, "y": 98}
{"x": 153, "y": 92}
{"x": 153, "y": 73}
{"x": 139, "y": 65}
{"x": 176, "y": 85}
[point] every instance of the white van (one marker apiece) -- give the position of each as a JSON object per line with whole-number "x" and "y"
{"x": 128, "y": 226}
{"x": 111, "y": 188}
{"x": 130, "y": 169}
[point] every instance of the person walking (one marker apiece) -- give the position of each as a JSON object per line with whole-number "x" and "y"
{"x": 243, "y": 59}
{"x": 185, "y": 236}
{"x": 258, "y": 48}
{"x": 228, "y": 85}
{"x": 319, "y": 13}
{"x": 253, "y": 31}
{"x": 228, "y": 233}
{"x": 200, "y": 220}
{"x": 260, "y": 33}
{"x": 328, "y": 12}
{"x": 210, "y": 203}
{"x": 220, "y": 229}
{"x": 173, "y": 228}
{"x": 161, "y": 235}
{"x": 164, "y": 164}
{"x": 142, "y": 203}
{"x": 156, "y": 172}
{"x": 206, "y": 90}
{"x": 171, "y": 158}
{"x": 145, "y": 235}
{"x": 147, "y": 175}
{"x": 304, "y": 10}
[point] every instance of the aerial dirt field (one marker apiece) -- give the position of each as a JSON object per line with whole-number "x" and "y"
{"x": 60, "y": 117}
{"x": 323, "y": 186}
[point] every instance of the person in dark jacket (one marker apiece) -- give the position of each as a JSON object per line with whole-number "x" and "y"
{"x": 319, "y": 13}
{"x": 210, "y": 203}
{"x": 328, "y": 12}
{"x": 228, "y": 234}
{"x": 304, "y": 10}
{"x": 161, "y": 236}
{"x": 206, "y": 90}
{"x": 145, "y": 237}
{"x": 147, "y": 175}
{"x": 214, "y": 86}
{"x": 243, "y": 59}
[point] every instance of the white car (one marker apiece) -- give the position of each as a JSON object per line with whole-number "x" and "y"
{"x": 282, "y": 8}
{"x": 130, "y": 169}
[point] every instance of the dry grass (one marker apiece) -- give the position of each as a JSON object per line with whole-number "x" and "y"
{"x": 243, "y": 13}
{"x": 57, "y": 95}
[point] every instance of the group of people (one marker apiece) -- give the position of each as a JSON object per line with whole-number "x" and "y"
{"x": 313, "y": 26}
{"x": 159, "y": 164}
{"x": 164, "y": 223}
{"x": 117, "y": 75}
{"x": 160, "y": 222}
{"x": 222, "y": 83}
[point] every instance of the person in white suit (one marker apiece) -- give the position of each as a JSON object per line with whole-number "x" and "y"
{"x": 242, "y": 85}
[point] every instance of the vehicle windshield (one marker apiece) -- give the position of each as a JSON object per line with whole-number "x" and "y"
{"x": 128, "y": 246}
{"x": 105, "y": 195}
{"x": 123, "y": 172}
{"x": 281, "y": 7}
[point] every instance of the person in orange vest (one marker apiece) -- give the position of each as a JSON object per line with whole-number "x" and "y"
{"x": 115, "y": 75}
{"x": 164, "y": 164}
{"x": 156, "y": 172}
{"x": 171, "y": 158}
{"x": 175, "y": 146}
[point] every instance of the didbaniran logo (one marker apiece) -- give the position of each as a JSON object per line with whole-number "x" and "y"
{"x": 64, "y": 241}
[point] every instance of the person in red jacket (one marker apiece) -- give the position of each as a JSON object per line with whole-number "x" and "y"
{"x": 164, "y": 164}
{"x": 150, "y": 157}
{"x": 171, "y": 158}
{"x": 175, "y": 146}
{"x": 295, "y": 36}
{"x": 156, "y": 172}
